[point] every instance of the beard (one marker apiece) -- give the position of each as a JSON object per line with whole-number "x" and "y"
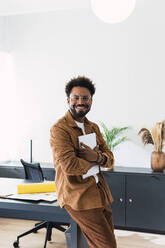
{"x": 80, "y": 113}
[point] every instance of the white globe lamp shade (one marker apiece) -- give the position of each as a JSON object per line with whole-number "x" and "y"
{"x": 113, "y": 11}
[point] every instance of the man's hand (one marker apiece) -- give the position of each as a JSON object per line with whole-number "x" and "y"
{"x": 87, "y": 153}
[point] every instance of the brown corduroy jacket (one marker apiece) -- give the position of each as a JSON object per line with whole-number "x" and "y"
{"x": 72, "y": 189}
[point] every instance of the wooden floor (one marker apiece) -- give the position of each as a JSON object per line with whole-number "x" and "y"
{"x": 10, "y": 228}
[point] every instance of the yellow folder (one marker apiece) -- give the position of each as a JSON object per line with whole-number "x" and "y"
{"x": 36, "y": 188}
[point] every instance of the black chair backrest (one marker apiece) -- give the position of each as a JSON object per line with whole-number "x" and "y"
{"x": 33, "y": 171}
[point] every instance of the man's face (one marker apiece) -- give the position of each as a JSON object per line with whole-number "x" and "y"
{"x": 79, "y": 101}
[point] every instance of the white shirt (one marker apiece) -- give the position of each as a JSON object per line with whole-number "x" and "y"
{"x": 91, "y": 171}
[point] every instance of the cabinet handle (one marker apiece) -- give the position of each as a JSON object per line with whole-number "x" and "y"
{"x": 121, "y": 199}
{"x": 130, "y": 200}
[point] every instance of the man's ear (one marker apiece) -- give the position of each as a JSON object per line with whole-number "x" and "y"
{"x": 68, "y": 100}
{"x": 91, "y": 100}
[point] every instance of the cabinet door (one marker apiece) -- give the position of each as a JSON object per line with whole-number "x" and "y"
{"x": 116, "y": 183}
{"x": 145, "y": 201}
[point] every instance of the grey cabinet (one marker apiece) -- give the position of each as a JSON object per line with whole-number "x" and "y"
{"x": 145, "y": 202}
{"x": 116, "y": 183}
{"x": 139, "y": 199}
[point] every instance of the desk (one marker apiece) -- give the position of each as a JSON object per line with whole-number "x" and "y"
{"x": 40, "y": 211}
{"x": 14, "y": 169}
{"x": 133, "y": 189}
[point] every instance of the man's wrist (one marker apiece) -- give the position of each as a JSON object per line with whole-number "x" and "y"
{"x": 101, "y": 159}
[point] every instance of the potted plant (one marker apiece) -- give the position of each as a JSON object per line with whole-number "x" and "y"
{"x": 156, "y": 137}
{"x": 113, "y": 137}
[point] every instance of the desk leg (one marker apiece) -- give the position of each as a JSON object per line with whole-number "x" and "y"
{"x": 74, "y": 235}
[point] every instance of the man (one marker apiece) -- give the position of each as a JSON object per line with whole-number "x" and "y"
{"x": 87, "y": 200}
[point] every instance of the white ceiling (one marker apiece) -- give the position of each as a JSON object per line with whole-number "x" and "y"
{"x": 15, "y": 7}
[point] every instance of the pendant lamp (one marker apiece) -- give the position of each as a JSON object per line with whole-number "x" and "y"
{"x": 113, "y": 11}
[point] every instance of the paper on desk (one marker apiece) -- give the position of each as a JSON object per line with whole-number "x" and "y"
{"x": 90, "y": 140}
{"x": 51, "y": 196}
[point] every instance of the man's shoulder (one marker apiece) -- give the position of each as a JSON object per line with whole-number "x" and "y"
{"x": 60, "y": 123}
{"x": 93, "y": 124}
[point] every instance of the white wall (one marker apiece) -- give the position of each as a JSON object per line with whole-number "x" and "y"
{"x": 7, "y": 96}
{"x": 3, "y": 33}
{"x": 126, "y": 62}
{"x": 16, "y": 7}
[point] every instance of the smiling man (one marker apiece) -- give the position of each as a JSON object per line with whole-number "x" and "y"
{"x": 87, "y": 199}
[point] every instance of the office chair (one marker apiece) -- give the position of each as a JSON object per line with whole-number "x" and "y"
{"x": 34, "y": 172}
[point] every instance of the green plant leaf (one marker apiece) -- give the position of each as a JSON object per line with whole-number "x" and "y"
{"x": 110, "y": 135}
{"x": 119, "y": 141}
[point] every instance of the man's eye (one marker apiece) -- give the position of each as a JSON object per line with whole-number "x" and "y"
{"x": 85, "y": 98}
{"x": 76, "y": 97}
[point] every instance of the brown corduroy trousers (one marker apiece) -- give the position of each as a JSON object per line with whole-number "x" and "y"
{"x": 96, "y": 224}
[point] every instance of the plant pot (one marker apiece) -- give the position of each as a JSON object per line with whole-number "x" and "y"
{"x": 158, "y": 161}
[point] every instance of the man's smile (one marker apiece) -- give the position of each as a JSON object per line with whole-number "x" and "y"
{"x": 81, "y": 107}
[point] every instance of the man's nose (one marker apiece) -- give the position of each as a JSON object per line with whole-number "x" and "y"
{"x": 80, "y": 100}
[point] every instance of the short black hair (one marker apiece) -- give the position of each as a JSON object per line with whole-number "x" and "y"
{"x": 80, "y": 81}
